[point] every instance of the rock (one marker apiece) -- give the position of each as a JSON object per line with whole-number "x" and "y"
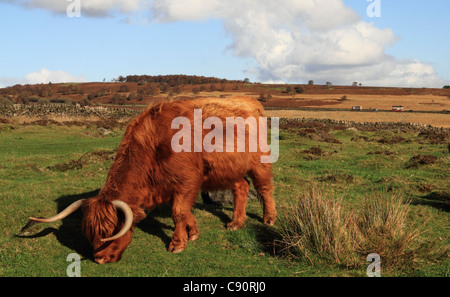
{"x": 104, "y": 131}
{"x": 224, "y": 197}
{"x": 352, "y": 129}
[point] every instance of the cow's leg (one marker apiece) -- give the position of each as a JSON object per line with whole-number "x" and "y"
{"x": 261, "y": 176}
{"x": 240, "y": 195}
{"x": 192, "y": 227}
{"x": 185, "y": 223}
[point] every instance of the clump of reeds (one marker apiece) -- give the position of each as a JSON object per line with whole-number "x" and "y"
{"x": 316, "y": 228}
{"x": 383, "y": 228}
{"x": 322, "y": 229}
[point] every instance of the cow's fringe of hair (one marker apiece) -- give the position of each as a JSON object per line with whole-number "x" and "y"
{"x": 102, "y": 221}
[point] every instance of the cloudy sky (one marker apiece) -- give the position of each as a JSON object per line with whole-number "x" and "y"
{"x": 376, "y": 42}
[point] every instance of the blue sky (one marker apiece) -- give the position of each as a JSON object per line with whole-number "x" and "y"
{"x": 421, "y": 28}
{"x": 323, "y": 40}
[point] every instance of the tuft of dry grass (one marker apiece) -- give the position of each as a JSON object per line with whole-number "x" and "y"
{"x": 317, "y": 227}
{"x": 382, "y": 227}
{"x": 324, "y": 230}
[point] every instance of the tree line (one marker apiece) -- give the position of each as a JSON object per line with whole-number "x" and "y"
{"x": 176, "y": 79}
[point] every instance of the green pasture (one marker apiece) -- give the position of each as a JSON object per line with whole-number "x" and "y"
{"x": 45, "y": 168}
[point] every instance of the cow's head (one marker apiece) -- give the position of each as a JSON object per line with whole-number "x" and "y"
{"x": 107, "y": 229}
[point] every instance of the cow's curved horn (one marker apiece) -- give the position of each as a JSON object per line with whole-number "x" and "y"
{"x": 128, "y": 219}
{"x": 67, "y": 211}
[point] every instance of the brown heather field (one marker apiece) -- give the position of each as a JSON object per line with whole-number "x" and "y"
{"x": 436, "y": 120}
{"x": 382, "y": 102}
{"x": 429, "y": 106}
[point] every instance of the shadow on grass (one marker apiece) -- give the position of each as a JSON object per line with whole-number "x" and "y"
{"x": 439, "y": 200}
{"x": 70, "y": 234}
{"x": 152, "y": 225}
{"x": 218, "y": 211}
{"x": 264, "y": 235}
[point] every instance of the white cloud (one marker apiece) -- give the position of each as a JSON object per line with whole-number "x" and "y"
{"x": 43, "y": 75}
{"x": 295, "y": 41}
{"x": 289, "y": 40}
{"x": 95, "y": 8}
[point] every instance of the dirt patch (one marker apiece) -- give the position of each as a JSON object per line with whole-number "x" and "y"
{"x": 306, "y": 132}
{"x": 312, "y": 154}
{"x": 386, "y": 153}
{"x": 421, "y": 160}
{"x": 392, "y": 140}
{"x": 335, "y": 178}
{"x": 324, "y": 137}
{"x": 71, "y": 165}
{"x": 316, "y": 151}
{"x": 435, "y": 137}
{"x": 360, "y": 138}
{"x": 88, "y": 158}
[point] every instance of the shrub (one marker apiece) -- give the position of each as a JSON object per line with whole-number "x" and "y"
{"x": 61, "y": 100}
{"x": 316, "y": 228}
{"x": 323, "y": 230}
{"x": 299, "y": 89}
{"x": 5, "y": 102}
{"x": 43, "y": 101}
{"x": 124, "y": 89}
{"x": 85, "y": 102}
{"x": 383, "y": 229}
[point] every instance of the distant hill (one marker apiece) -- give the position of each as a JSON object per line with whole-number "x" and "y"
{"x": 143, "y": 89}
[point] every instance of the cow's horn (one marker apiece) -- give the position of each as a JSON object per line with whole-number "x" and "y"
{"x": 128, "y": 219}
{"x": 67, "y": 211}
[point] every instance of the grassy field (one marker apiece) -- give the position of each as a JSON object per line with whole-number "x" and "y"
{"x": 43, "y": 168}
{"x": 426, "y": 102}
{"x": 435, "y": 120}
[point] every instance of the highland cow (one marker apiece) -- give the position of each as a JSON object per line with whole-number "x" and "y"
{"x": 148, "y": 172}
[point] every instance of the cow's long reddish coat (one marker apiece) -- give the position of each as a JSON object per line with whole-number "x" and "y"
{"x": 146, "y": 172}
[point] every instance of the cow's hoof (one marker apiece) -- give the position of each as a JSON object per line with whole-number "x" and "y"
{"x": 176, "y": 248}
{"x": 193, "y": 237}
{"x": 269, "y": 221}
{"x": 234, "y": 226}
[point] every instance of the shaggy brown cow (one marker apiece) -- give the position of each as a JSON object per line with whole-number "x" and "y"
{"x": 147, "y": 172}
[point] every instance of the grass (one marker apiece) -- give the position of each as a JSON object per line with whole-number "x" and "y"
{"x": 318, "y": 228}
{"x": 322, "y": 229}
{"x": 45, "y": 168}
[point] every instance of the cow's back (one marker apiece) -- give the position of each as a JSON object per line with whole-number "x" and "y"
{"x": 217, "y": 169}
{"x": 222, "y": 169}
